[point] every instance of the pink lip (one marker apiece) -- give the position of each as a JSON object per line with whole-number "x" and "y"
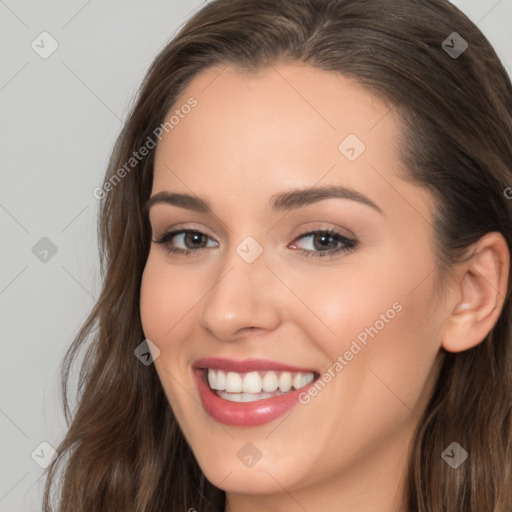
{"x": 244, "y": 414}
{"x": 245, "y": 365}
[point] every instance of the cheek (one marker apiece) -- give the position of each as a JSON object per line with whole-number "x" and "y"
{"x": 379, "y": 320}
{"x": 165, "y": 299}
{"x": 380, "y": 354}
{"x": 154, "y": 301}
{"x": 342, "y": 304}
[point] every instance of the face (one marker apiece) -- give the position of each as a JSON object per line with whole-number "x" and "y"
{"x": 311, "y": 313}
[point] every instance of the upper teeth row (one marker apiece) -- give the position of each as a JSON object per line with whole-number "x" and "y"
{"x": 256, "y": 382}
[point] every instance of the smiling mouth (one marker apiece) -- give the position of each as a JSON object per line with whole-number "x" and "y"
{"x": 255, "y": 385}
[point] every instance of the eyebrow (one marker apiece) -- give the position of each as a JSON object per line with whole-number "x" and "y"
{"x": 283, "y": 201}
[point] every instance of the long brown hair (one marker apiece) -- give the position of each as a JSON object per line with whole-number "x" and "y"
{"x": 124, "y": 449}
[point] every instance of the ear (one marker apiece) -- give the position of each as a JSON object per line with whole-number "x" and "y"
{"x": 481, "y": 289}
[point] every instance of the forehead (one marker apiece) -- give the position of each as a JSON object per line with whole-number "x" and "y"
{"x": 281, "y": 106}
{"x": 283, "y": 126}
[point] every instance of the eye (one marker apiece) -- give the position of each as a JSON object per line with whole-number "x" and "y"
{"x": 322, "y": 243}
{"x": 326, "y": 242}
{"x": 194, "y": 241}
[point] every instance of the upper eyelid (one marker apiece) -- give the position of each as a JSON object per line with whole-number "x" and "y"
{"x": 308, "y": 232}
{"x": 343, "y": 231}
{"x": 180, "y": 229}
{"x": 220, "y": 227}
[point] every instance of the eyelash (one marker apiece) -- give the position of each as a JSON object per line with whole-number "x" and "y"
{"x": 349, "y": 244}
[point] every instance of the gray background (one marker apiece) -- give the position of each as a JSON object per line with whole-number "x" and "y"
{"x": 60, "y": 118}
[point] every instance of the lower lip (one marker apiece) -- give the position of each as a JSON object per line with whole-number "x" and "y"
{"x": 244, "y": 414}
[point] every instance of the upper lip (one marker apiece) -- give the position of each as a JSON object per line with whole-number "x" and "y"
{"x": 246, "y": 365}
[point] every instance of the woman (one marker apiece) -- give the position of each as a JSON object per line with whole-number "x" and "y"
{"x": 305, "y": 235}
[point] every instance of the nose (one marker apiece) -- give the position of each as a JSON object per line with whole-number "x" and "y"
{"x": 244, "y": 297}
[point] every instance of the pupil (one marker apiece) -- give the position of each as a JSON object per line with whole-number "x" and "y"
{"x": 193, "y": 238}
{"x": 325, "y": 240}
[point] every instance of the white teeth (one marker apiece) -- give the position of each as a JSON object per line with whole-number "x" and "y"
{"x": 243, "y": 397}
{"x": 212, "y": 379}
{"x": 232, "y": 397}
{"x": 308, "y": 377}
{"x": 220, "y": 380}
{"x": 252, "y": 397}
{"x": 297, "y": 380}
{"x": 233, "y": 382}
{"x": 270, "y": 382}
{"x": 256, "y": 382}
{"x": 285, "y": 381}
{"x": 251, "y": 383}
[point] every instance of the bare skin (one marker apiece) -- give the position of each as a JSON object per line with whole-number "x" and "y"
{"x": 252, "y": 136}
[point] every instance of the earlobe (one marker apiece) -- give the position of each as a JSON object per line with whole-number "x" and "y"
{"x": 482, "y": 288}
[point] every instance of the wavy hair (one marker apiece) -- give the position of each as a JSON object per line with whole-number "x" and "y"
{"x": 123, "y": 449}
